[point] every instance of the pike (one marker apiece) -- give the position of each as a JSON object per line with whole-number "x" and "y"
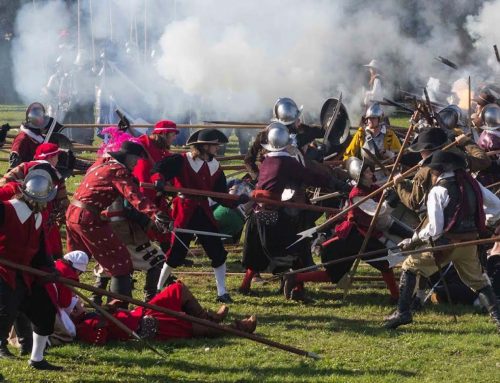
{"x": 175, "y": 314}
{"x": 50, "y": 131}
{"x": 117, "y": 323}
{"x": 332, "y": 120}
{"x": 325, "y": 197}
{"x": 325, "y": 225}
{"x": 368, "y": 254}
{"x": 201, "y": 232}
{"x": 212, "y": 194}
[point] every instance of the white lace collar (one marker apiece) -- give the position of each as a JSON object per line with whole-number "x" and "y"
{"x": 197, "y": 163}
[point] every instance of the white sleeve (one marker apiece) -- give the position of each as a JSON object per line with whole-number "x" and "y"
{"x": 491, "y": 205}
{"x": 376, "y": 91}
{"x": 437, "y": 200}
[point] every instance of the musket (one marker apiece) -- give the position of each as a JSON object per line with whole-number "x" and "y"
{"x": 369, "y": 254}
{"x": 232, "y": 197}
{"x": 172, "y": 313}
{"x": 398, "y": 105}
{"x": 325, "y": 225}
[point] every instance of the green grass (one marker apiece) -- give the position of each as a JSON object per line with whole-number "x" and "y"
{"x": 347, "y": 335}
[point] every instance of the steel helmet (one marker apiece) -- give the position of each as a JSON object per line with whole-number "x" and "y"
{"x": 35, "y": 116}
{"x": 450, "y": 117}
{"x": 491, "y": 117}
{"x": 374, "y": 111}
{"x": 286, "y": 111}
{"x": 278, "y": 137}
{"x": 355, "y": 167}
{"x": 38, "y": 186}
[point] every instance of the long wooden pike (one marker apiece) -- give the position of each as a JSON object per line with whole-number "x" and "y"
{"x": 373, "y": 222}
{"x": 175, "y": 314}
{"x": 117, "y": 323}
{"x": 212, "y": 194}
{"x": 369, "y": 254}
{"x": 325, "y": 225}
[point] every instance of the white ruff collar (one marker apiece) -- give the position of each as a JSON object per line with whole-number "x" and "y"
{"x": 23, "y": 212}
{"x": 197, "y": 163}
{"x": 37, "y": 137}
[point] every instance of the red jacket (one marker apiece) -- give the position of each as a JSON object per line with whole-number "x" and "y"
{"x": 200, "y": 175}
{"x": 357, "y": 217}
{"x": 25, "y": 144}
{"x": 21, "y": 240}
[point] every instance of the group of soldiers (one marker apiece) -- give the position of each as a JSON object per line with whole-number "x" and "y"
{"x": 139, "y": 206}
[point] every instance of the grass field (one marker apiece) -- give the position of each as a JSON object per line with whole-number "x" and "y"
{"x": 348, "y": 336}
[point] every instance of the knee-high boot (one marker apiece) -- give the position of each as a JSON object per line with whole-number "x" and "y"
{"x": 403, "y": 313}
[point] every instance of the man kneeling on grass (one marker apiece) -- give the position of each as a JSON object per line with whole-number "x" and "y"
{"x": 150, "y": 324}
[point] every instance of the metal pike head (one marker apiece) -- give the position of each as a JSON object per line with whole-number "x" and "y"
{"x": 304, "y": 234}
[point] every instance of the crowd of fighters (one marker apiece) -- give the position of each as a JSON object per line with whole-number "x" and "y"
{"x": 121, "y": 216}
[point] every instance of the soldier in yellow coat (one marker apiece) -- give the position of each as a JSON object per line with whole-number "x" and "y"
{"x": 375, "y": 137}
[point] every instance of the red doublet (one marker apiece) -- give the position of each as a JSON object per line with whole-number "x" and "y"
{"x": 59, "y": 293}
{"x": 20, "y": 236}
{"x": 357, "y": 217}
{"x": 25, "y": 146}
{"x": 106, "y": 180}
{"x": 194, "y": 174}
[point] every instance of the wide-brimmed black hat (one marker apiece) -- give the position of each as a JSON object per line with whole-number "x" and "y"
{"x": 207, "y": 136}
{"x": 128, "y": 148}
{"x": 445, "y": 161}
{"x": 429, "y": 139}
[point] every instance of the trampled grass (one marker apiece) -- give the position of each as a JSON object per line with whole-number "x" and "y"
{"x": 347, "y": 335}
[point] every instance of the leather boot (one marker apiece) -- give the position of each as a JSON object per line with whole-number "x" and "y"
{"x": 247, "y": 325}
{"x": 191, "y": 306}
{"x": 24, "y": 333}
{"x": 122, "y": 284}
{"x": 403, "y": 314}
{"x": 489, "y": 300}
{"x": 151, "y": 283}
{"x": 100, "y": 283}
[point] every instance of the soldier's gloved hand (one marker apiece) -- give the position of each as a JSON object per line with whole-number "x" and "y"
{"x": 242, "y": 199}
{"x": 392, "y": 198}
{"x": 410, "y": 243}
{"x": 163, "y": 222}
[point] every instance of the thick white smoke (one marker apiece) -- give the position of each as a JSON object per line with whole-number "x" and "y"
{"x": 233, "y": 59}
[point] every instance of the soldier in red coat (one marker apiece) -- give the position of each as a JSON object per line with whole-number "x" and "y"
{"x": 21, "y": 223}
{"x": 152, "y": 324}
{"x": 87, "y": 230}
{"x": 46, "y": 157}
{"x": 197, "y": 169}
{"x": 31, "y": 134}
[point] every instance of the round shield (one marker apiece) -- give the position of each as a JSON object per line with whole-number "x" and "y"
{"x": 66, "y": 163}
{"x": 339, "y": 133}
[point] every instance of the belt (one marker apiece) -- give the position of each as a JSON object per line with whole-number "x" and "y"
{"x": 94, "y": 210}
